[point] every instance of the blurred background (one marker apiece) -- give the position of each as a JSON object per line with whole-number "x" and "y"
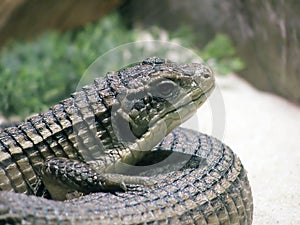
{"x": 47, "y": 45}
{"x": 253, "y": 47}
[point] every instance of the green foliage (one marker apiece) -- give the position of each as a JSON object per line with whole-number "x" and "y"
{"x": 220, "y": 55}
{"x": 35, "y": 75}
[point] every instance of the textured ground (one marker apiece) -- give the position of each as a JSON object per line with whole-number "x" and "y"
{"x": 264, "y": 130}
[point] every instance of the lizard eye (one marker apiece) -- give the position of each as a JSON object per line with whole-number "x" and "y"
{"x": 166, "y": 88}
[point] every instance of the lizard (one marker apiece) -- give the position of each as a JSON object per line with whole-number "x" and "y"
{"x": 113, "y": 153}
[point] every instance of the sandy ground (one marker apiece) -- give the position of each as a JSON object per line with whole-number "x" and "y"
{"x": 264, "y": 131}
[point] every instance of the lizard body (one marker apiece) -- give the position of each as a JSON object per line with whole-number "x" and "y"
{"x": 110, "y": 137}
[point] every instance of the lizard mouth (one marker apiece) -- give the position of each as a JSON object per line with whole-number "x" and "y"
{"x": 203, "y": 96}
{"x": 186, "y": 110}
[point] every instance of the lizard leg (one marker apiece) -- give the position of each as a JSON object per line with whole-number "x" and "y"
{"x": 63, "y": 176}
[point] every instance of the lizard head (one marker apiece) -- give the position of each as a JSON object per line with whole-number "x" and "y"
{"x": 157, "y": 95}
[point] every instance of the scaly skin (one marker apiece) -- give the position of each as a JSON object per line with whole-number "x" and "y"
{"x": 87, "y": 143}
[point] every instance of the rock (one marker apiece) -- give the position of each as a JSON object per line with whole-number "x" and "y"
{"x": 24, "y": 19}
{"x": 266, "y": 34}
